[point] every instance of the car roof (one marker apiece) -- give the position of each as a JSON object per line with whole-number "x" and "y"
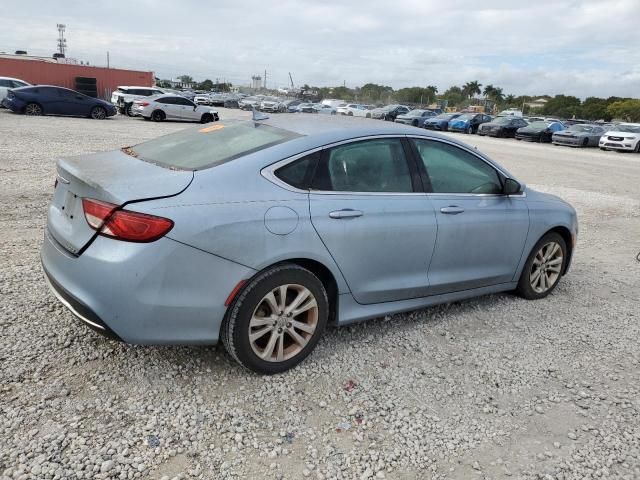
{"x": 13, "y": 78}
{"x": 338, "y": 128}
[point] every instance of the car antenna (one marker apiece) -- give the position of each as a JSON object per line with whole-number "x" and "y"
{"x": 258, "y": 115}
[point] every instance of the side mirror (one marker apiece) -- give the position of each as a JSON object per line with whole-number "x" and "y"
{"x": 511, "y": 187}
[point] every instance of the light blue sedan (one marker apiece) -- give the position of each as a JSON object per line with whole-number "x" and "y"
{"x": 260, "y": 233}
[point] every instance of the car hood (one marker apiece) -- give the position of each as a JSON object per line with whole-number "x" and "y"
{"x": 615, "y": 133}
{"x": 565, "y": 133}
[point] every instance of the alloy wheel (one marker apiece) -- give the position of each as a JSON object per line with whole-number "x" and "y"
{"x": 283, "y": 323}
{"x": 546, "y": 267}
{"x": 33, "y": 109}
{"x": 98, "y": 113}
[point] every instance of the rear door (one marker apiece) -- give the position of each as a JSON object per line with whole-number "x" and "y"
{"x": 367, "y": 206}
{"x": 481, "y": 232}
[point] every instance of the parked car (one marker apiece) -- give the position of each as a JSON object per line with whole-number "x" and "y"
{"x": 261, "y": 236}
{"x": 7, "y": 83}
{"x": 291, "y": 106}
{"x": 123, "y": 97}
{"x": 231, "y": 103}
{"x": 415, "y": 117}
{"x": 502, "y": 126}
{"x": 389, "y": 113}
{"x": 622, "y": 137}
{"x": 468, "y": 122}
{"x": 51, "y": 100}
{"x": 173, "y": 107}
{"x": 202, "y": 99}
{"x": 324, "y": 109}
{"x": 270, "y": 104}
{"x": 306, "y": 107}
{"x": 579, "y": 135}
{"x": 511, "y": 112}
{"x": 440, "y": 122}
{"x": 352, "y": 110}
{"x": 539, "y": 131}
{"x": 249, "y": 103}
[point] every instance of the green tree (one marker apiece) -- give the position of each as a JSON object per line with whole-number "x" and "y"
{"x": 594, "y": 108}
{"x": 562, "y": 106}
{"x": 185, "y": 79}
{"x": 206, "y": 85}
{"x": 472, "y": 88}
{"x": 627, "y": 110}
{"x": 163, "y": 83}
{"x": 374, "y": 93}
{"x": 455, "y": 96}
{"x": 510, "y": 100}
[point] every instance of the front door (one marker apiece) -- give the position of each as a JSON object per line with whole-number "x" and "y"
{"x": 481, "y": 232}
{"x": 380, "y": 229}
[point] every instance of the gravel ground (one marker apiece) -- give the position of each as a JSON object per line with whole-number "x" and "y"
{"x": 496, "y": 387}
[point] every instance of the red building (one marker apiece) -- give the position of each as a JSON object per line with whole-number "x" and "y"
{"x": 47, "y": 71}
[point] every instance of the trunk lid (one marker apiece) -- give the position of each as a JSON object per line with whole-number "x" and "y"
{"x": 113, "y": 177}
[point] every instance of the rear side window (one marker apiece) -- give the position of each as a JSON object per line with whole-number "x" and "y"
{"x": 298, "y": 174}
{"x": 208, "y": 146}
{"x": 6, "y": 83}
{"x": 368, "y": 166}
{"x": 454, "y": 170}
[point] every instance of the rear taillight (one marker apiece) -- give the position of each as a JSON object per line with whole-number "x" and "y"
{"x": 125, "y": 225}
{"x": 142, "y": 104}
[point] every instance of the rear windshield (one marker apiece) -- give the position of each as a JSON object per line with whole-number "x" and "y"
{"x": 210, "y": 145}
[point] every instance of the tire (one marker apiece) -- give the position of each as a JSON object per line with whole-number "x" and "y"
{"x": 98, "y": 113}
{"x": 128, "y": 109}
{"x": 585, "y": 142}
{"x": 637, "y": 149}
{"x": 350, "y": 114}
{"x": 368, "y": 115}
{"x": 543, "y": 270}
{"x": 158, "y": 116}
{"x": 414, "y": 123}
{"x": 206, "y": 118}
{"x": 252, "y": 304}
{"x": 33, "y": 109}
{"x": 469, "y": 130}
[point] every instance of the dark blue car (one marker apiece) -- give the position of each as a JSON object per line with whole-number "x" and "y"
{"x": 49, "y": 100}
{"x": 440, "y": 122}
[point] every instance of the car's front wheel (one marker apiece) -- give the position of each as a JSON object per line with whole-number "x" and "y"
{"x": 544, "y": 267}
{"x": 33, "y": 109}
{"x": 276, "y": 320}
{"x": 206, "y": 118}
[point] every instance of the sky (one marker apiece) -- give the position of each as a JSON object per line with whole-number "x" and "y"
{"x": 574, "y": 47}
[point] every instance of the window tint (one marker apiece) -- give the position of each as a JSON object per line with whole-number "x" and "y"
{"x": 453, "y": 170}
{"x": 182, "y": 101}
{"x": 298, "y": 173}
{"x": 17, "y": 84}
{"x": 167, "y": 100}
{"x": 6, "y": 83}
{"x": 367, "y": 166}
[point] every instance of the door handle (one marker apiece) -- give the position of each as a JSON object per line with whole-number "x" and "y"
{"x": 452, "y": 210}
{"x": 345, "y": 213}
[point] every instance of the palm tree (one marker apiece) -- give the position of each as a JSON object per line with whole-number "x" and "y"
{"x": 489, "y": 91}
{"x": 498, "y": 95}
{"x": 472, "y": 88}
{"x": 510, "y": 99}
{"x": 432, "y": 91}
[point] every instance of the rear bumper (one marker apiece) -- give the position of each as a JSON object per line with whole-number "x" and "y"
{"x": 162, "y": 292}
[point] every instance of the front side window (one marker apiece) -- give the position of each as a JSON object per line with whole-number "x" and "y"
{"x": 453, "y": 170}
{"x": 368, "y": 166}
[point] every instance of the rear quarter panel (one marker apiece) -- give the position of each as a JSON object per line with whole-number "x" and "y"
{"x": 233, "y": 212}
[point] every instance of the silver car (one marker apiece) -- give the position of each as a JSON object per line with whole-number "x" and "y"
{"x": 173, "y": 107}
{"x": 259, "y": 233}
{"x": 579, "y": 135}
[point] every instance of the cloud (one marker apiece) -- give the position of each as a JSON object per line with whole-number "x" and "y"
{"x": 578, "y": 47}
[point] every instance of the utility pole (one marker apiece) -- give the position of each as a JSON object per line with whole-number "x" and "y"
{"x": 265, "y": 78}
{"x": 107, "y": 59}
{"x": 291, "y": 78}
{"x": 62, "y": 42}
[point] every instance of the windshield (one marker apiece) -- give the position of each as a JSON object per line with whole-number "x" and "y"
{"x": 581, "y": 128}
{"x": 466, "y": 116}
{"x": 502, "y": 120}
{"x": 446, "y": 116}
{"x": 415, "y": 113}
{"x": 204, "y": 147}
{"x": 539, "y": 125}
{"x": 628, "y": 128}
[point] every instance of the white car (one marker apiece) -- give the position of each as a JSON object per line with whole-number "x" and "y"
{"x": 7, "y": 83}
{"x": 352, "y": 110}
{"x": 623, "y": 137}
{"x": 123, "y": 97}
{"x": 202, "y": 99}
{"x": 173, "y": 107}
{"x": 324, "y": 109}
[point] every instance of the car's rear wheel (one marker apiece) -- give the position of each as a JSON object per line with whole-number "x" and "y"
{"x": 276, "y": 320}
{"x": 158, "y": 116}
{"x": 206, "y": 118}
{"x": 544, "y": 267}
{"x": 33, "y": 109}
{"x": 585, "y": 142}
{"x": 128, "y": 109}
{"x": 98, "y": 113}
